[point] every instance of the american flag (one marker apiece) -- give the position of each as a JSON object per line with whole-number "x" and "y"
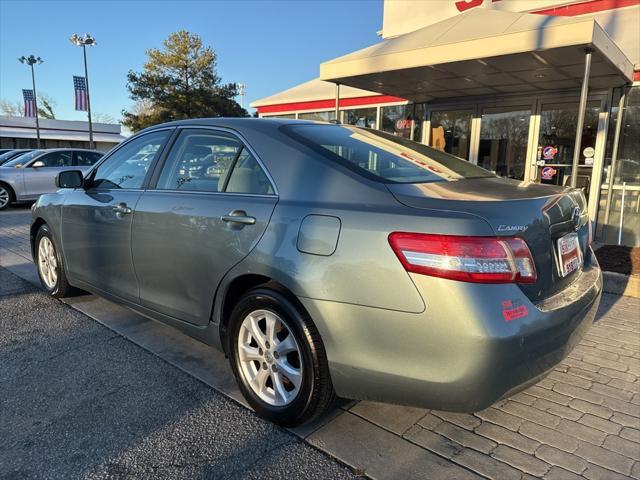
{"x": 29, "y": 103}
{"x": 80, "y": 87}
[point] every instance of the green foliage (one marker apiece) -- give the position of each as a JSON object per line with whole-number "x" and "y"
{"x": 179, "y": 82}
{"x": 45, "y": 109}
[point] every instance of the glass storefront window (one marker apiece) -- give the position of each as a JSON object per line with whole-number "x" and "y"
{"x": 557, "y": 142}
{"x": 318, "y": 116}
{"x": 284, "y": 115}
{"x": 451, "y": 132}
{"x": 401, "y": 120}
{"x": 503, "y": 141}
{"x": 361, "y": 117}
{"x": 619, "y": 206}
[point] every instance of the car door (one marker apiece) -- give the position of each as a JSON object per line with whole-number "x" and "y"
{"x": 96, "y": 220}
{"x": 42, "y": 179}
{"x": 210, "y": 206}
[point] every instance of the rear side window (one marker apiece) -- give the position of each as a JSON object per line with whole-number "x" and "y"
{"x": 384, "y": 157}
{"x": 86, "y": 159}
{"x": 248, "y": 177}
{"x": 208, "y": 161}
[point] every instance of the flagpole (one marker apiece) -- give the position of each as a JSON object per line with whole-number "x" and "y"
{"x": 86, "y": 79}
{"x": 35, "y": 103}
{"x": 83, "y": 42}
{"x": 31, "y": 60}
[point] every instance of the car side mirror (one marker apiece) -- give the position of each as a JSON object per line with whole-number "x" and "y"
{"x": 69, "y": 179}
{"x": 38, "y": 164}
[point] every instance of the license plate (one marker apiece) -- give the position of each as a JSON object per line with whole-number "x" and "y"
{"x": 569, "y": 254}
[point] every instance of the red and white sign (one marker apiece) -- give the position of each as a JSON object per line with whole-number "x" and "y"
{"x": 404, "y": 124}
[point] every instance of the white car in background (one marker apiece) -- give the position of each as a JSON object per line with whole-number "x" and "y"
{"x": 28, "y": 176}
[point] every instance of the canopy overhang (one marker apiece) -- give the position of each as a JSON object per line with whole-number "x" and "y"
{"x": 485, "y": 52}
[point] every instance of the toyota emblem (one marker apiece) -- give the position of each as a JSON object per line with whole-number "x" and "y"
{"x": 576, "y": 214}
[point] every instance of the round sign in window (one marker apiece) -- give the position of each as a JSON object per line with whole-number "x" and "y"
{"x": 589, "y": 152}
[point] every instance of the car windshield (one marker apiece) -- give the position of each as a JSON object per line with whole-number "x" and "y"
{"x": 384, "y": 157}
{"x": 22, "y": 159}
{"x": 11, "y": 154}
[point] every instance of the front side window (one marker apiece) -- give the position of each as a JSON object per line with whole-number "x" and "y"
{"x": 127, "y": 167}
{"x": 384, "y": 157}
{"x": 56, "y": 159}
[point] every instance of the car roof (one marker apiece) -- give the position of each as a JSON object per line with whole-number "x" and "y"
{"x": 237, "y": 123}
{"x": 69, "y": 149}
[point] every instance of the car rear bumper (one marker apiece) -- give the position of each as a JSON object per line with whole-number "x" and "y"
{"x": 467, "y": 349}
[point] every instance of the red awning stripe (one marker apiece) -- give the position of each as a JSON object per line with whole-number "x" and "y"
{"x": 324, "y": 104}
{"x": 590, "y": 6}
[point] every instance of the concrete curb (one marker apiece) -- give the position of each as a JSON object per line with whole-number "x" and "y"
{"x": 619, "y": 284}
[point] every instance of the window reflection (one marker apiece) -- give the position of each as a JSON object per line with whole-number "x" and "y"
{"x": 360, "y": 117}
{"x": 503, "y": 141}
{"x": 451, "y": 131}
{"x": 557, "y": 140}
{"x": 318, "y": 116}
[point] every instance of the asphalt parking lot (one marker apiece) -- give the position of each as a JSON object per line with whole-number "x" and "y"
{"x": 81, "y": 401}
{"x": 88, "y": 401}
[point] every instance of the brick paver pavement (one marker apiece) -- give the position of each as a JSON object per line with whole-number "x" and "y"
{"x": 582, "y": 421}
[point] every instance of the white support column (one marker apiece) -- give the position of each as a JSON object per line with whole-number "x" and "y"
{"x": 581, "y": 113}
{"x": 337, "y": 102}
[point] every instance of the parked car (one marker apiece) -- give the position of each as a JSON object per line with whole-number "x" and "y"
{"x": 5, "y": 150}
{"x": 329, "y": 259}
{"x": 5, "y": 157}
{"x": 31, "y": 174}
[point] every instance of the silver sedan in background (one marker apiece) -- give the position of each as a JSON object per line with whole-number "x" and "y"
{"x": 329, "y": 259}
{"x": 31, "y": 174}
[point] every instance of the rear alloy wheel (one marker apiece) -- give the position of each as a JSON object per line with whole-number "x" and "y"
{"x": 278, "y": 358}
{"x": 50, "y": 266}
{"x": 6, "y": 196}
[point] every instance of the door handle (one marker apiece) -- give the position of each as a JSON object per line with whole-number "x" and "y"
{"x": 238, "y": 216}
{"x": 122, "y": 209}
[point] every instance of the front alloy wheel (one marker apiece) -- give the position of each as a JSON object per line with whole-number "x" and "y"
{"x": 49, "y": 264}
{"x": 278, "y": 357}
{"x": 5, "y": 197}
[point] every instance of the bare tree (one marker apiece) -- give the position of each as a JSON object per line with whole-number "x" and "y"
{"x": 15, "y": 108}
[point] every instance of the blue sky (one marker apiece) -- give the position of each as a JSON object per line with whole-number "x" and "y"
{"x": 269, "y": 45}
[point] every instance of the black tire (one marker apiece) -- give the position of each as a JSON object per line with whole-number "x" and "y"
{"x": 61, "y": 288}
{"x": 6, "y": 192}
{"x": 316, "y": 392}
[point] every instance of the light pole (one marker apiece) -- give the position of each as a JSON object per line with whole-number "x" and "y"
{"x": 83, "y": 42}
{"x": 242, "y": 89}
{"x": 31, "y": 61}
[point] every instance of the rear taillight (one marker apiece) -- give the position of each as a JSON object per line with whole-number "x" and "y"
{"x": 468, "y": 259}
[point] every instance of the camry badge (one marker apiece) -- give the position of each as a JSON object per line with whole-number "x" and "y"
{"x": 512, "y": 228}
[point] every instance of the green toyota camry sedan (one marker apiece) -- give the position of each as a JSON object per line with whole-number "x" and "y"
{"x": 328, "y": 259}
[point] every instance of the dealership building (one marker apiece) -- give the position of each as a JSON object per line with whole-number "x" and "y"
{"x": 20, "y": 132}
{"x": 530, "y": 89}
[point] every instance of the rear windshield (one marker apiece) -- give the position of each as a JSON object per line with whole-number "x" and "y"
{"x": 22, "y": 159}
{"x": 384, "y": 157}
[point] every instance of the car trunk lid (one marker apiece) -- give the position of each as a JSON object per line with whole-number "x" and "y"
{"x": 540, "y": 214}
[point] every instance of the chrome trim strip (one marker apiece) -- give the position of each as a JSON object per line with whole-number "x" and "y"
{"x": 196, "y": 192}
